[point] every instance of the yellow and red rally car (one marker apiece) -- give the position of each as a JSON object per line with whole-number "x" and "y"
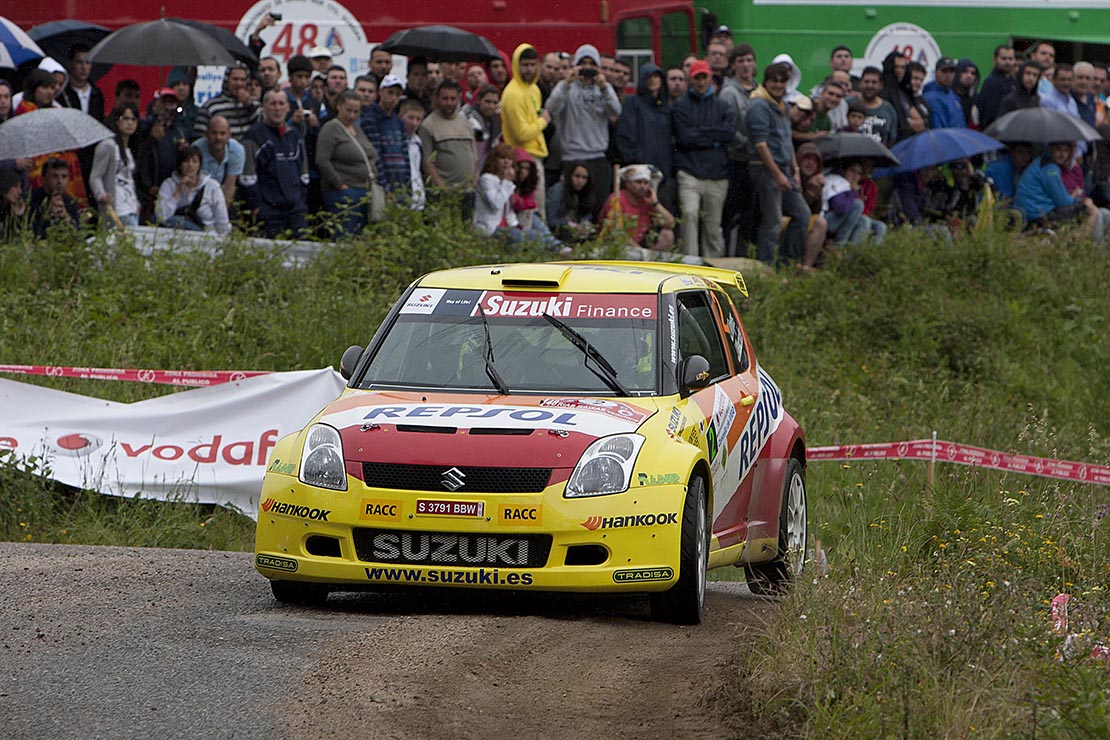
{"x": 574, "y": 426}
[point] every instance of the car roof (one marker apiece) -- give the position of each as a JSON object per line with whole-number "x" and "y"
{"x": 585, "y": 276}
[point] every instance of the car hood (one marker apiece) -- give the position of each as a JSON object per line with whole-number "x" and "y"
{"x": 478, "y": 430}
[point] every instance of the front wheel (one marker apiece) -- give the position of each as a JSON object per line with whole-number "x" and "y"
{"x": 685, "y": 601}
{"x": 772, "y": 578}
{"x": 299, "y": 592}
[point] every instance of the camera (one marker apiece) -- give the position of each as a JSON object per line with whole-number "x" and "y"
{"x": 276, "y": 16}
{"x": 588, "y": 72}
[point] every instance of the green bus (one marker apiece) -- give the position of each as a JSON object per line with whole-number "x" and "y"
{"x": 922, "y": 30}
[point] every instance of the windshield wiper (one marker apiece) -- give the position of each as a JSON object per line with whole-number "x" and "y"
{"x": 491, "y": 371}
{"x": 604, "y": 370}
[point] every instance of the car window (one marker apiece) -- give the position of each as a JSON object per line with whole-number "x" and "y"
{"x": 734, "y": 337}
{"x": 698, "y": 334}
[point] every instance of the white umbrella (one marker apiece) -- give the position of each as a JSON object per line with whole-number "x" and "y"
{"x": 49, "y": 130}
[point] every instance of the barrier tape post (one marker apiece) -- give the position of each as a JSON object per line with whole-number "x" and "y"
{"x": 930, "y": 476}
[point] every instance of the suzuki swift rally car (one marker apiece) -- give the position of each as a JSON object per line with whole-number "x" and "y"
{"x": 577, "y": 426}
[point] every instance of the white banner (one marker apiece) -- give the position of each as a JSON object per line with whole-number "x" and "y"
{"x": 207, "y": 445}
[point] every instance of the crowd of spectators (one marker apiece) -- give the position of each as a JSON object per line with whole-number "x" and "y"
{"x": 713, "y": 157}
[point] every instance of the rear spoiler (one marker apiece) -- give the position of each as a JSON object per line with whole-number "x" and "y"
{"x": 717, "y": 275}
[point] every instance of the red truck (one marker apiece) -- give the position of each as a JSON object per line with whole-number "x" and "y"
{"x": 640, "y": 30}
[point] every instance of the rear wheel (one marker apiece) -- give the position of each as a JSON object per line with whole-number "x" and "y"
{"x": 772, "y": 578}
{"x": 685, "y": 601}
{"x": 299, "y": 592}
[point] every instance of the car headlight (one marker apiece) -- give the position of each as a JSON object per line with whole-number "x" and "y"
{"x": 605, "y": 467}
{"x": 322, "y": 459}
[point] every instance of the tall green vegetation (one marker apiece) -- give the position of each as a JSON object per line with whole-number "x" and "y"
{"x": 930, "y": 617}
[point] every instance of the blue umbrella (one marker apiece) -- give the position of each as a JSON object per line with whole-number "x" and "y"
{"x": 16, "y": 47}
{"x": 937, "y": 146}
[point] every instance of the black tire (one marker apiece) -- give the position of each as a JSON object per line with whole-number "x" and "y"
{"x": 773, "y": 577}
{"x": 685, "y": 601}
{"x": 299, "y": 592}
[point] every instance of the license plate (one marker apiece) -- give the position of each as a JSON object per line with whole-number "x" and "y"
{"x": 436, "y": 507}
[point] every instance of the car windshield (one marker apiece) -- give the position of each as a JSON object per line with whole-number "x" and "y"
{"x": 439, "y": 341}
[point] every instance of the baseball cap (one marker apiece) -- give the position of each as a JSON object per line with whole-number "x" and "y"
{"x": 390, "y": 81}
{"x": 946, "y": 63}
{"x": 634, "y": 172}
{"x": 700, "y": 67}
{"x": 165, "y": 92}
{"x": 318, "y": 51}
{"x": 802, "y": 102}
{"x": 722, "y": 29}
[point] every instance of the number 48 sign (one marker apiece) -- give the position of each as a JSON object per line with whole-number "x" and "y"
{"x": 306, "y": 24}
{"x": 913, "y": 42}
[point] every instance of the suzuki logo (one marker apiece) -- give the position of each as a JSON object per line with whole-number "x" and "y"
{"x": 453, "y": 479}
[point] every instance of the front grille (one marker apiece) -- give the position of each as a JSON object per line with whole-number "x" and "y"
{"x": 451, "y": 548}
{"x": 475, "y": 479}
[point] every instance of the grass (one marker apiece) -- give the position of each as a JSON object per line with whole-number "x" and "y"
{"x": 932, "y": 617}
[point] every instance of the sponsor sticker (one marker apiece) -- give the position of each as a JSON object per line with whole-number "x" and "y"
{"x": 529, "y": 516}
{"x": 663, "y": 479}
{"x": 444, "y": 548}
{"x": 284, "y": 508}
{"x": 273, "y": 562}
{"x": 380, "y": 510}
{"x": 423, "y": 300}
{"x": 632, "y": 520}
{"x": 284, "y": 468}
{"x": 436, "y": 507}
{"x": 635, "y": 575}
{"x": 598, "y": 405}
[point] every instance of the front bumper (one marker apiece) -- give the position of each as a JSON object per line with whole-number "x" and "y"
{"x": 362, "y": 537}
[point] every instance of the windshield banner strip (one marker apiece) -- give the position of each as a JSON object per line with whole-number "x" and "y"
{"x": 568, "y": 305}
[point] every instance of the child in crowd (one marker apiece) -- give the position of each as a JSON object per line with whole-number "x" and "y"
{"x": 527, "y": 178}
{"x": 412, "y": 115}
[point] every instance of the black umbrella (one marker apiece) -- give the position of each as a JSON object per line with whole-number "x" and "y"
{"x": 161, "y": 43}
{"x": 441, "y": 44}
{"x": 1041, "y": 126}
{"x": 846, "y": 145}
{"x": 227, "y": 39}
{"x": 57, "y": 37}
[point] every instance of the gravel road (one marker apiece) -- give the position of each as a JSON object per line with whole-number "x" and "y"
{"x": 110, "y": 642}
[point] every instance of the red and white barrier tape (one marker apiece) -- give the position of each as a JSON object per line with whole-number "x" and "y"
{"x": 168, "y": 377}
{"x": 961, "y": 454}
{"x": 918, "y": 449}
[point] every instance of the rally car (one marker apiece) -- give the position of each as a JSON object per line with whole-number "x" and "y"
{"x": 567, "y": 426}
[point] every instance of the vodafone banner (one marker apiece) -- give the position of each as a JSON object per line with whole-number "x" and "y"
{"x": 207, "y": 445}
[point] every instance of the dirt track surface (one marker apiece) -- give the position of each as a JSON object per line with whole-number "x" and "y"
{"x": 139, "y": 643}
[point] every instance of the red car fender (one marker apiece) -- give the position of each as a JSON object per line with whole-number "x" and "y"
{"x": 767, "y": 485}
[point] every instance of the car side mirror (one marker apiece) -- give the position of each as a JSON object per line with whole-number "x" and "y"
{"x": 349, "y": 360}
{"x": 695, "y": 374}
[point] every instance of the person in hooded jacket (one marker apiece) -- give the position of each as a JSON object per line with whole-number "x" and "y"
{"x": 644, "y": 131}
{"x": 912, "y": 110}
{"x": 966, "y": 86}
{"x": 523, "y": 118}
{"x": 39, "y": 88}
{"x": 584, "y": 103}
{"x": 1025, "y": 93}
